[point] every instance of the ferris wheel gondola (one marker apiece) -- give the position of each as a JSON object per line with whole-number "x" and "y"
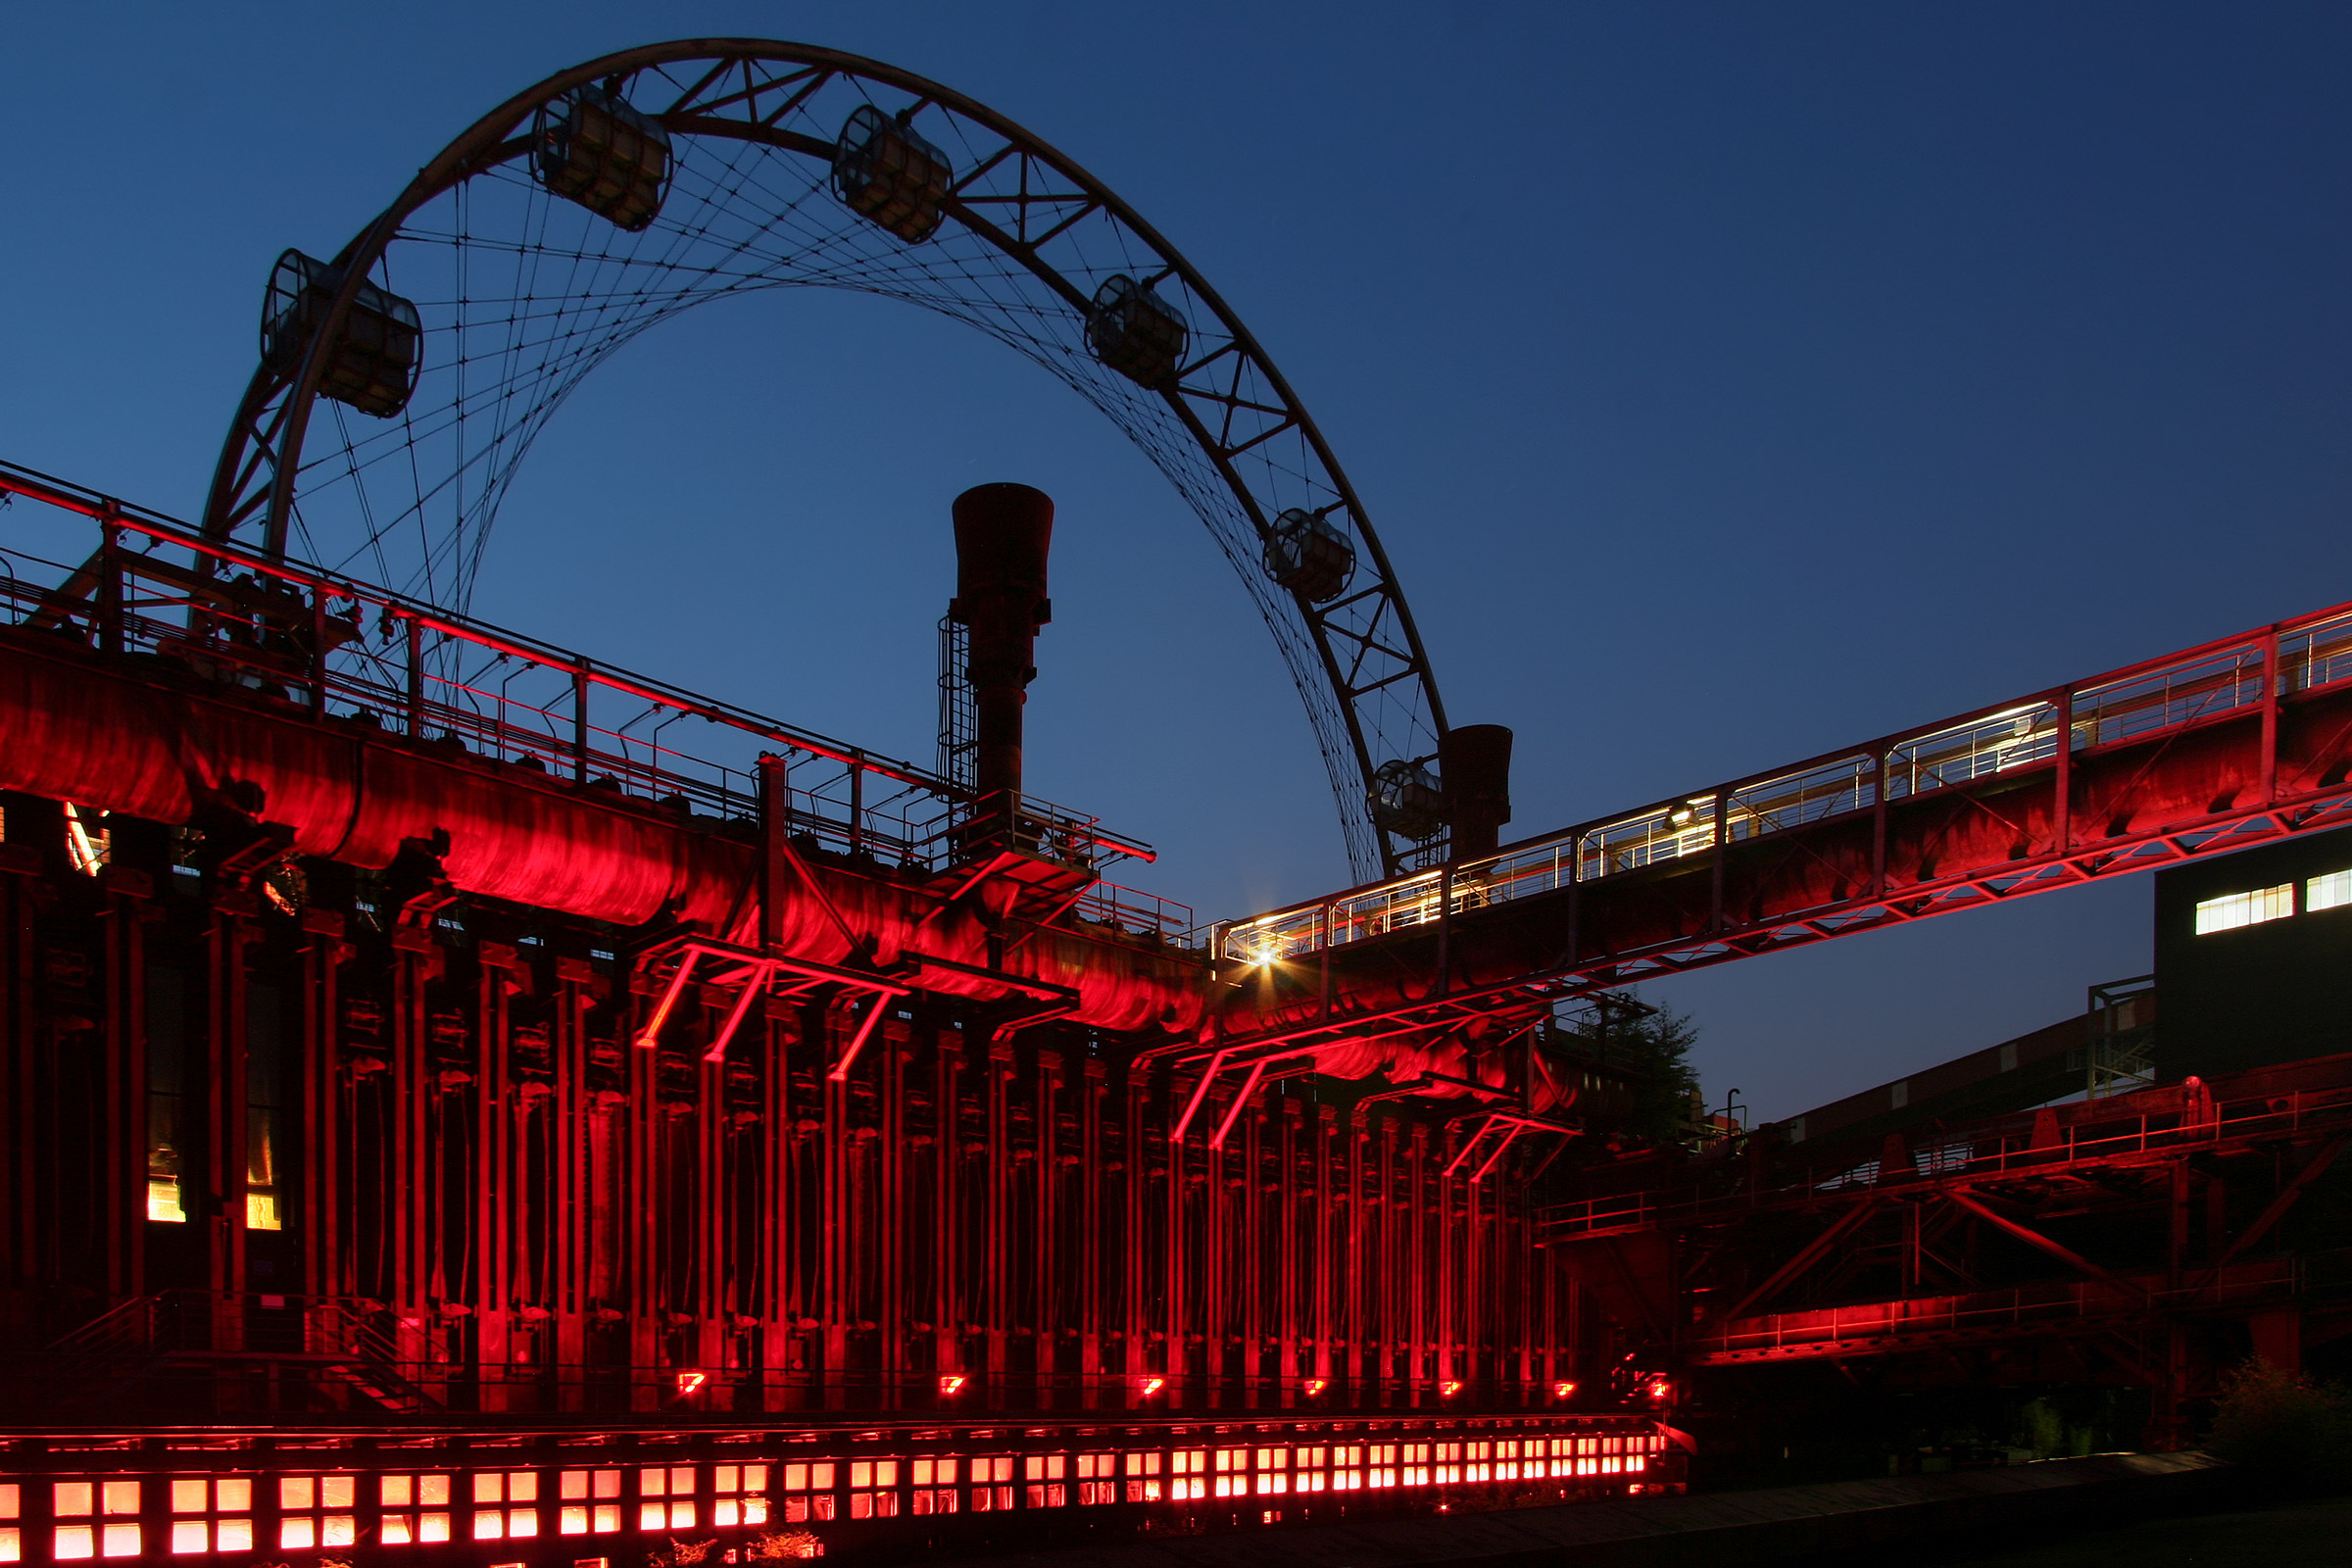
{"x": 403, "y": 381}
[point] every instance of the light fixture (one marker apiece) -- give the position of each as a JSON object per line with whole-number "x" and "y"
{"x": 950, "y": 1385}
{"x": 690, "y": 1382}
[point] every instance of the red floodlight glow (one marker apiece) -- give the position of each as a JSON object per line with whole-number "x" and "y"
{"x": 688, "y": 1381}
{"x": 1561, "y": 1391}
{"x": 1148, "y": 1387}
{"x": 1659, "y": 1388}
{"x": 950, "y": 1385}
{"x": 1449, "y": 1390}
{"x": 1315, "y": 1386}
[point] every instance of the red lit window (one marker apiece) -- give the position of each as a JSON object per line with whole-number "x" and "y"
{"x": 807, "y": 1491}
{"x": 1139, "y": 1466}
{"x": 491, "y": 1487}
{"x": 209, "y": 1515}
{"x": 666, "y": 1498}
{"x": 428, "y": 1496}
{"x": 316, "y": 1511}
{"x": 869, "y": 1480}
{"x": 11, "y": 1533}
{"x": 96, "y": 1518}
{"x": 589, "y": 1501}
{"x": 934, "y": 1485}
{"x": 992, "y": 1468}
{"x": 740, "y": 1495}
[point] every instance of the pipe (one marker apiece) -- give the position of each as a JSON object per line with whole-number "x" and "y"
{"x": 1475, "y": 763}
{"x": 1003, "y": 533}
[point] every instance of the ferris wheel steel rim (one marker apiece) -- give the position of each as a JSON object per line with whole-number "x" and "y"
{"x": 1356, "y": 658}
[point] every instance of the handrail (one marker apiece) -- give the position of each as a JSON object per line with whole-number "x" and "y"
{"x": 2163, "y": 696}
{"x": 352, "y": 652}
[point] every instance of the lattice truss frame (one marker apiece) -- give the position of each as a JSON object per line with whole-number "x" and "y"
{"x": 520, "y": 293}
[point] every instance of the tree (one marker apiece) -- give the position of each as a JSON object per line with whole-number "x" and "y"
{"x": 1648, "y": 1046}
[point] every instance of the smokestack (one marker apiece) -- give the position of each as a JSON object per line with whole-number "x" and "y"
{"x": 1474, "y": 762}
{"x": 1002, "y": 532}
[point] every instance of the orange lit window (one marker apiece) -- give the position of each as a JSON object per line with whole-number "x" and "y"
{"x": 992, "y": 1468}
{"x": 934, "y": 1485}
{"x": 198, "y": 1508}
{"x": 869, "y": 1480}
{"x": 492, "y": 1487}
{"x": 590, "y": 1502}
{"x": 429, "y": 1498}
{"x": 11, "y": 1533}
{"x": 741, "y": 1495}
{"x": 666, "y": 1497}
{"x": 1187, "y": 1465}
{"x": 97, "y": 1519}
{"x": 807, "y": 1491}
{"x": 316, "y": 1511}
{"x": 1094, "y": 1471}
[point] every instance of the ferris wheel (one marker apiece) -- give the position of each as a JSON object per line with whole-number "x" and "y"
{"x": 402, "y": 381}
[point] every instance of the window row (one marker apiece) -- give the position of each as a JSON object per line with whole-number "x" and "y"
{"x": 2232, "y": 910}
{"x": 223, "y": 1513}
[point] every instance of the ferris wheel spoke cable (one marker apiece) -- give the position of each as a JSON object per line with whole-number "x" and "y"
{"x": 629, "y": 190}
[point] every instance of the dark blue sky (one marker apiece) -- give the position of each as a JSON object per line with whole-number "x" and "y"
{"x": 1728, "y": 384}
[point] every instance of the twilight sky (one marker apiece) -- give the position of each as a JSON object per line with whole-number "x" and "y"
{"x": 1728, "y": 382}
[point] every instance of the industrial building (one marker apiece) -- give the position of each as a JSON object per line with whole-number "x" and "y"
{"x": 453, "y": 1120}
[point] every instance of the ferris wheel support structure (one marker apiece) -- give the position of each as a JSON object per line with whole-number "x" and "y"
{"x": 923, "y": 194}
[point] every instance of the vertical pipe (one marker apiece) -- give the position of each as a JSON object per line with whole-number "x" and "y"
{"x": 948, "y": 1314}
{"x": 579, "y": 724}
{"x": 2062, "y": 806}
{"x": 996, "y": 1259}
{"x": 2269, "y": 717}
{"x": 570, "y": 1194}
{"x": 1325, "y": 1259}
{"x": 1474, "y": 760}
{"x": 415, "y": 677}
{"x": 1046, "y": 1260}
{"x": 839, "y": 1216}
{"x": 123, "y": 1099}
{"x": 775, "y": 826}
{"x": 1093, "y": 1218}
{"x": 894, "y": 1241}
{"x": 1135, "y": 1272}
{"x": 1003, "y": 534}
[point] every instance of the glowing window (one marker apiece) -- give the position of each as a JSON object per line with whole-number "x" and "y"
{"x": 2233, "y": 910}
{"x": 808, "y": 1490}
{"x": 2330, "y": 892}
{"x": 494, "y": 1487}
{"x": 740, "y": 1491}
{"x": 997, "y": 1467}
{"x": 874, "y": 1474}
{"x": 583, "y": 1509}
{"x": 934, "y": 1485}
{"x": 107, "y": 1502}
{"x": 674, "y": 1483}
{"x": 415, "y": 1509}
{"x": 11, "y": 1533}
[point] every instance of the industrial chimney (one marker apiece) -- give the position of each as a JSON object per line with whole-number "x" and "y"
{"x": 1002, "y": 532}
{"x": 1474, "y": 762}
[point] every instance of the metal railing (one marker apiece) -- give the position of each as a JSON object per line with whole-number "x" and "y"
{"x": 2129, "y": 706}
{"x": 2116, "y": 1128}
{"x": 346, "y": 651}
